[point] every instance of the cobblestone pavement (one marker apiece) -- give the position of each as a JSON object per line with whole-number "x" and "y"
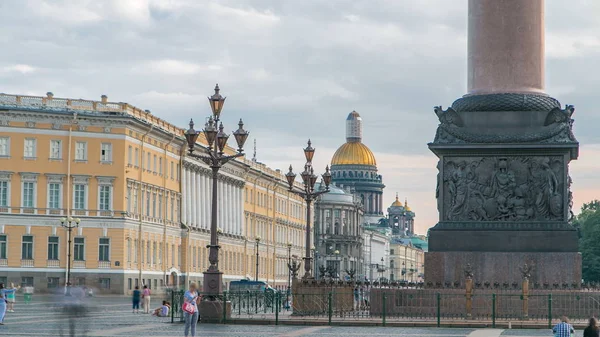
{"x": 110, "y": 316}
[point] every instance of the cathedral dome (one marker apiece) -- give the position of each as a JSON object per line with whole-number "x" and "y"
{"x": 396, "y": 203}
{"x": 353, "y": 153}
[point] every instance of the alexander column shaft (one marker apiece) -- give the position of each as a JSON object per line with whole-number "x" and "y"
{"x": 506, "y": 46}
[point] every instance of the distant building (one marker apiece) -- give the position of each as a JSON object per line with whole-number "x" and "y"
{"x": 401, "y": 219}
{"x": 376, "y": 252}
{"x": 407, "y": 260}
{"x": 338, "y": 232}
{"x": 353, "y": 165}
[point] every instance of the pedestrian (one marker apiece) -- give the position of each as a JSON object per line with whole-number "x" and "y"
{"x": 146, "y": 299}
{"x": 10, "y": 298}
{"x": 136, "y": 300}
{"x": 3, "y": 293}
{"x": 27, "y": 293}
{"x": 592, "y": 329}
{"x": 563, "y": 329}
{"x": 191, "y": 317}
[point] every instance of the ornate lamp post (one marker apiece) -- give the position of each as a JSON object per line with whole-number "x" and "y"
{"x": 337, "y": 263}
{"x": 215, "y": 157}
{"x": 309, "y": 194}
{"x": 69, "y": 223}
{"x": 257, "y": 239}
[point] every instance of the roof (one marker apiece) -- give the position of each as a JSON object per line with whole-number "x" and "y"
{"x": 353, "y": 153}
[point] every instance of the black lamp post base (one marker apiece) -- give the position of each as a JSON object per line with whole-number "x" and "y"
{"x": 213, "y": 283}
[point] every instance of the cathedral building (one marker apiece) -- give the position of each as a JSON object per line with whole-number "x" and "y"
{"x": 354, "y": 166}
{"x": 401, "y": 219}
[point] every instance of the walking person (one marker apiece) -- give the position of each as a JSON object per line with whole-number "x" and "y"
{"x": 3, "y": 293}
{"x": 146, "y": 299}
{"x": 10, "y": 298}
{"x": 136, "y": 300}
{"x": 190, "y": 299}
{"x": 563, "y": 329}
{"x": 592, "y": 329}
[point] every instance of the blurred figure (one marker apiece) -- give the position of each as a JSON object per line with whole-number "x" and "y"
{"x": 3, "y": 294}
{"x": 136, "y": 300}
{"x": 163, "y": 310}
{"x": 10, "y": 298}
{"x": 75, "y": 310}
{"x": 146, "y": 299}
{"x": 28, "y": 294}
{"x": 563, "y": 329}
{"x": 592, "y": 329}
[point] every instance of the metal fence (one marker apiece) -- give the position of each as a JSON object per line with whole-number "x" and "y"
{"x": 424, "y": 305}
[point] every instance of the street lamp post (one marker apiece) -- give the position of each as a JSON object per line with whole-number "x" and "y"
{"x": 309, "y": 194}
{"x": 287, "y": 294}
{"x": 257, "y": 239}
{"x": 69, "y": 223}
{"x": 215, "y": 157}
{"x": 337, "y": 263}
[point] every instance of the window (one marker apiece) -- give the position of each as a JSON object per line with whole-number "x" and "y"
{"x": 55, "y": 149}
{"x": 4, "y": 194}
{"x": 27, "y": 281}
{"x": 81, "y": 151}
{"x": 129, "y": 155}
{"x": 4, "y": 146}
{"x": 148, "y": 252}
{"x": 148, "y": 161}
{"x": 81, "y": 281}
{"x": 27, "y": 248}
{"x": 30, "y": 144}
{"x": 177, "y": 172}
{"x": 155, "y": 162}
{"x": 28, "y": 194}
{"x": 53, "y": 195}
{"x": 160, "y": 203}
{"x": 128, "y": 199}
{"x": 135, "y": 250}
{"x": 172, "y": 170}
{"x": 53, "y": 248}
{"x": 3, "y": 247}
{"x": 79, "y": 199}
{"x": 106, "y": 152}
{"x": 104, "y": 283}
{"x": 128, "y": 250}
{"x": 105, "y": 199}
{"x": 135, "y": 200}
{"x": 104, "y": 249}
{"x": 129, "y": 283}
{"x": 147, "y": 203}
{"x": 53, "y": 282}
{"x": 154, "y": 205}
{"x": 137, "y": 157}
{"x": 154, "y": 260}
{"x": 160, "y": 166}
{"x": 79, "y": 249}
{"x": 172, "y": 207}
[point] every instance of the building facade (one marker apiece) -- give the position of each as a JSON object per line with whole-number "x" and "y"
{"x": 376, "y": 246}
{"x": 407, "y": 261}
{"x": 353, "y": 165}
{"x": 401, "y": 219}
{"x": 143, "y": 205}
{"x": 338, "y": 232}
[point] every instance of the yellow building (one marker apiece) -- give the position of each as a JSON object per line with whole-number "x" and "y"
{"x": 407, "y": 261}
{"x": 143, "y": 205}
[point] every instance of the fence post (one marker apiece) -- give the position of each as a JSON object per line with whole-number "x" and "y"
{"x": 494, "y": 310}
{"x": 224, "y": 307}
{"x": 384, "y": 308}
{"x": 330, "y": 307}
{"x": 549, "y": 311}
{"x": 277, "y": 304}
{"x": 439, "y": 300}
{"x": 173, "y": 304}
{"x": 240, "y": 303}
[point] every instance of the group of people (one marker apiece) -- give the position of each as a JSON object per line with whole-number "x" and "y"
{"x": 564, "y": 329}
{"x": 7, "y": 300}
{"x": 141, "y": 296}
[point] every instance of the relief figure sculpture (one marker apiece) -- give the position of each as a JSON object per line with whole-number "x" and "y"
{"x": 502, "y": 189}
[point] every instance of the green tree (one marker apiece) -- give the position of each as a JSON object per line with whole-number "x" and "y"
{"x": 588, "y": 223}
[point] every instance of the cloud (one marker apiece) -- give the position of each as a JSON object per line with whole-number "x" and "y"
{"x": 294, "y": 70}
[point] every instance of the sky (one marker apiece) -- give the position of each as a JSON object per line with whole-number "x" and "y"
{"x": 293, "y": 70}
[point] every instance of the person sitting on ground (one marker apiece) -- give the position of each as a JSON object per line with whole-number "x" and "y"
{"x": 163, "y": 310}
{"x": 563, "y": 329}
{"x": 592, "y": 329}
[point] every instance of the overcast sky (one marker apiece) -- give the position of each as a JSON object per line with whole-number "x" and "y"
{"x": 294, "y": 69}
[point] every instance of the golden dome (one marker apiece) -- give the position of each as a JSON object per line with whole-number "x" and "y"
{"x": 396, "y": 203}
{"x": 406, "y": 208}
{"x": 353, "y": 153}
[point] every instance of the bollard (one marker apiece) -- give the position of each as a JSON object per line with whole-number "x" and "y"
{"x": 330, "y": 309}
{"x": 494, "y": 311}
{"x": 224, "y": 307}
{"x": 549, "y": 311}
{"x": 439, "y": 300}
{"x": 384, "y": 308}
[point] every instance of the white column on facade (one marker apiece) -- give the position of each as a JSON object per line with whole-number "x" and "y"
{"x": 230, "y": 209}
{"x": 240, "y": 211}
{"x": 183, "y": 193}
{"x": 198, "y": 200}
{"x": 192, "y": 197}
{"x": 226, "y": 207}
{"x": 188, "y": 197}
{"x": 220, "y": 203}
{"x": 206, "y": 201}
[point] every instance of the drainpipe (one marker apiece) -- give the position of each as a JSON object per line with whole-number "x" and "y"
{"x": 141, "y": 203}
{"x": 73, "y": 121}
{"x": 166, "y": 203}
